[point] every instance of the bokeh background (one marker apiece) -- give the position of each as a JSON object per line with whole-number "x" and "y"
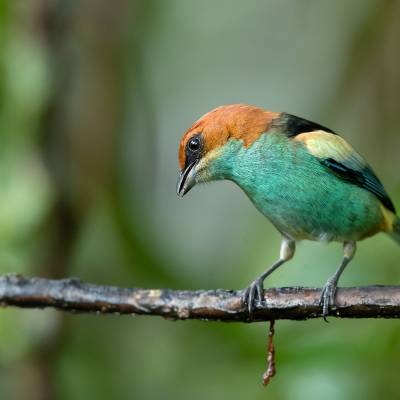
{"x": 94, "y": 96}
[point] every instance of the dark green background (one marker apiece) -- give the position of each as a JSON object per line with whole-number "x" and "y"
{"x": 94, "y": 96}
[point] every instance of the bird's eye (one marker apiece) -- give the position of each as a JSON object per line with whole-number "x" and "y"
{"x": 194, "y": 144}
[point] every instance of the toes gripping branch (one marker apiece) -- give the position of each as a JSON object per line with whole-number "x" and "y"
{"x": 254, "y": 294}
{"x": 328, "y": 293}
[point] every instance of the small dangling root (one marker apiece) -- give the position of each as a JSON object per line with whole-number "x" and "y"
{"x": 271, "y": 370}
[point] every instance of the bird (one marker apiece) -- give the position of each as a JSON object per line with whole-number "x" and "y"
{"x": 308, "y": 181}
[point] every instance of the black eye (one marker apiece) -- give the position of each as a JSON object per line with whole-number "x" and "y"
{"x": 194, "y": 144}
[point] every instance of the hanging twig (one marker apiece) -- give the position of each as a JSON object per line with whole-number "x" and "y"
{"x": 271, "y": 370}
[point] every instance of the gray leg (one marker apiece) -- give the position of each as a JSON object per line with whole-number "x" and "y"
{"x": 255, "y": 292}
{"x": 329, "y": 290}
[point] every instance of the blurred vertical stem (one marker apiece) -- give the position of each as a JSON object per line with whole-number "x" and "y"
{"x": 78, "y": 140}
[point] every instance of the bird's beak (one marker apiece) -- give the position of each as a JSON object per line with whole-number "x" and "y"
{"x": 187, "y": 179}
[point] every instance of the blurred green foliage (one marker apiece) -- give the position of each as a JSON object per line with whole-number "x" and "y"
{"x": 94, "y": 96}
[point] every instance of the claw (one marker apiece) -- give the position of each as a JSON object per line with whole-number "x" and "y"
{"x": 327, "y": 298}
{"x": 253, "y": 294}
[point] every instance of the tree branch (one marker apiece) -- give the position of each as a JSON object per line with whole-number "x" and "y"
{"x": 282, "y": 303}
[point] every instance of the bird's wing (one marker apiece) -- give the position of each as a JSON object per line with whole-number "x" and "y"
{"x": 341, "y": 159}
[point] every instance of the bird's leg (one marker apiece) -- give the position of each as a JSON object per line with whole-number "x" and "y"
{"x": 255, "y": 292}
{"x": 329, "y": 290}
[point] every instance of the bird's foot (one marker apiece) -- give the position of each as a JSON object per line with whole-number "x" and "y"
{"x": 253, "y": 294}
{"x": 327, "y": 298}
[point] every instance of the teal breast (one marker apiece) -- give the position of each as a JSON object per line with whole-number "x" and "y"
{"x": 298, "y": 194}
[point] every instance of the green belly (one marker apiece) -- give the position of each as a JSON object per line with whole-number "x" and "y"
{"x": 320, "y": 209}
{"x": 300, "y": 196}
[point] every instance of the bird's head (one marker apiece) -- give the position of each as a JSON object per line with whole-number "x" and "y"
{"x": 209, "y": 138}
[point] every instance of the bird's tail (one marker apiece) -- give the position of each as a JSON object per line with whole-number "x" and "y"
{"x": 396, "y": 230}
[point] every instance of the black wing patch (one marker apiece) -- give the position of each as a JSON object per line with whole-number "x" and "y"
{"x": 293, "y": 126}
{"x": 360, "y": 175}
{"x": 365, "y": 179}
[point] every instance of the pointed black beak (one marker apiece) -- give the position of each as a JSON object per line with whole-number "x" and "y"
{"x": 187, "y": 179}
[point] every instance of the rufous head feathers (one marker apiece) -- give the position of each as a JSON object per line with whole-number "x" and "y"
{"x": 237, "y": 121}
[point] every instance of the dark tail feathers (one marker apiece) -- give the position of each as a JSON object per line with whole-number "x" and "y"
{"x": 396, "y": 231}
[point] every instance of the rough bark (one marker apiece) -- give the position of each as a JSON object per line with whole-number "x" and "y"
{"x": 224, "y": 305}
